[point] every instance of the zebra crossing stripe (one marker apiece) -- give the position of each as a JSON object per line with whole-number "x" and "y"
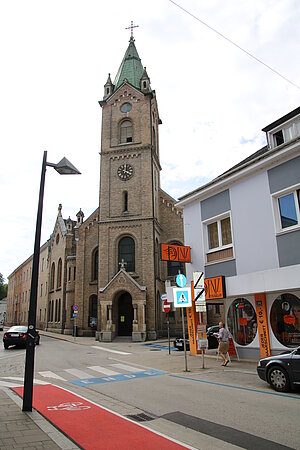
{"x": 78, "y": 373}
{"x": 49, "y": 374}
{"x": 128, "y": 368}
{"x": 103, "y": 370}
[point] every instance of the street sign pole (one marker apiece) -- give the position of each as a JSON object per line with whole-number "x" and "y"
{"x": 184, "y": 343}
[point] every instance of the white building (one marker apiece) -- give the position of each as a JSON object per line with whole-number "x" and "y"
{"x": 245, "y": 226}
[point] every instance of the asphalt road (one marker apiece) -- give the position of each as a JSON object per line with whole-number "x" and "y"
{"x": 207, "y": 408}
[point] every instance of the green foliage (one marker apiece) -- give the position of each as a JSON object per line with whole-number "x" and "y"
{"x": 3, "y": 287}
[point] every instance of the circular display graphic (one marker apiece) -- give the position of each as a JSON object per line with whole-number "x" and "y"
{"x": 242, "y": 322}
{"x": 285, "y": 319}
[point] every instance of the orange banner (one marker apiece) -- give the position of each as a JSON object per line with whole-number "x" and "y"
{"x": 262, "y": 324}
{"x": 170, "y": 252}
{"x": 214, "y": 288}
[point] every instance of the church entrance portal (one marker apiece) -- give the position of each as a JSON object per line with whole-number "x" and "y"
{"x": 125, "y": 315}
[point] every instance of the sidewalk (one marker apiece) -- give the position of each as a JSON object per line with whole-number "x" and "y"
{"x": 24, "y": 430}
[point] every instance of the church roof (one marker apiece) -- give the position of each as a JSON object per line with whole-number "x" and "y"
{"x": 131, "y": 67}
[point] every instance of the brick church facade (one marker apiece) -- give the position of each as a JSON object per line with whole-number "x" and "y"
{"x": 109, "y": 264}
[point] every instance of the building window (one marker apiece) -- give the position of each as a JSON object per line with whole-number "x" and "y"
{"x": 125, "y": 201}
{"x": 242, "y": 322}
{"x": 285, "y": 319}
{"x": 52, "y": 277}
{"x": 95, "y": 265}
{"x": 126, "y": 253}
{"x": 59, "y": 273}
{"x": 285, "y": 134}
{"x": 287, "y": 210}
{"x": 218, "y": 238}
{"x": 175, "y": 267}
{"x": 93, "y": 314}
{"x": 126, "y": 132}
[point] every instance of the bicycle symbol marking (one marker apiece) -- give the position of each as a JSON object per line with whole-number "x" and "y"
{"x": 71, "y": 406}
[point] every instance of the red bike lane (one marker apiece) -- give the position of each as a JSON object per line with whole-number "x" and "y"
{"x": 91, "y": 426}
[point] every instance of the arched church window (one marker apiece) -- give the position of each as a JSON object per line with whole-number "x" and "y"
{"x": 175, "y": 267}
{"x": 126, "y": 252}
{"x": 59, "y": 273}
{"x": 126, "y": 132}
{"x": 52, "y": 277}
{"x": 95, "y": 265}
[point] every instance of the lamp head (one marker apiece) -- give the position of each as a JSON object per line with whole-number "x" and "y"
{"x": 65, "y": 167}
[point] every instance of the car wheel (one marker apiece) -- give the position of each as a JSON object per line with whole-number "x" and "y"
{"x": 279, "y": 379}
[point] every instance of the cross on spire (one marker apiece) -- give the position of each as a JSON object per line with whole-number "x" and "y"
{"x": 131, "y": 28}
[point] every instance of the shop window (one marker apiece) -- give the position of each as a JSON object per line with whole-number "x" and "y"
{"x": 242, "y": 322}
{"x": 285, "y": 319}
{"x": 218, "y": 237}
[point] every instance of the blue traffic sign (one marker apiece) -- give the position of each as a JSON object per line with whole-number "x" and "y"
{"x": 181, "y": 280}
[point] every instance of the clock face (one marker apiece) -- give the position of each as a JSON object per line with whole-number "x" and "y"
{"x": 125, "y": 171}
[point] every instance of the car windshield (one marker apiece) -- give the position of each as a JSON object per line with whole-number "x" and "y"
{"x": 18, "y": 328}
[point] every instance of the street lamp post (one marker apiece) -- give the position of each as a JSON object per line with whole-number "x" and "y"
{"x": 64, "y": 167}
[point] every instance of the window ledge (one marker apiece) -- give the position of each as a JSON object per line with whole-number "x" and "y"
{"x": 218, "y": 261}
{"x": 288, "y": 230}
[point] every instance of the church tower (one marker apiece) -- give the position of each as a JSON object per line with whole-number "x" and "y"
{"x": 129, "y": 218}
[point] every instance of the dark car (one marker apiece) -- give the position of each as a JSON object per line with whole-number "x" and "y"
{"x": 282, "y": 371}
{"x": 179, "y": 344}
{"x": 212, "y": 340}
{"x": 17, "y": 335}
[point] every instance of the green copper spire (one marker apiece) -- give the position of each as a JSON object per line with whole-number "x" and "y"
{"x": 131, "y": 67}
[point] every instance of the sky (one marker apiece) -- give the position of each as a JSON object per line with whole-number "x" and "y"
{"x": 213, "y": 98}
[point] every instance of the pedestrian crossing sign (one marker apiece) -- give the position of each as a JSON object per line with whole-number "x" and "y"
{"x": 182, "y": 297}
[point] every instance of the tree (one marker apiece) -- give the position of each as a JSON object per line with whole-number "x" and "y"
{"x": 3, "y": 287}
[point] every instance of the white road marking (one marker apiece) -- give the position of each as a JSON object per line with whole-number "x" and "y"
{"x": 103, "y": 370}
{"x": 6, "y": 384}
{"x": 110, "y": 350}
{"x": 21, "y": 380}
{"x": 128, "y": 368}
{"x": 78, "y": 373}
{"x": 49, "y": 374}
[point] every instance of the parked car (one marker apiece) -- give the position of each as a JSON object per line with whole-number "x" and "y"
{"x": 17, "y": 335}
{"x": 212, "y": 340}
{"x": 282, "y": 371}
{"x": 179, "y": 344}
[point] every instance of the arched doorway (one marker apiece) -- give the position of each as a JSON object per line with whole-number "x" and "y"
{"x": 125, "y": 315}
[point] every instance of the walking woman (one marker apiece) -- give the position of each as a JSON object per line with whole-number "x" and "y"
{"x": 223, "y": 337}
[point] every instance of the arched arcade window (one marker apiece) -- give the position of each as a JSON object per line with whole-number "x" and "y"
{"x": 95, "y": 265}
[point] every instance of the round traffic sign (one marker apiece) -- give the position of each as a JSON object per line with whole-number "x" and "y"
{"x": 75, "y": 308}
{"x": 181, "y": 280}
{"x": 167, "y": 306}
